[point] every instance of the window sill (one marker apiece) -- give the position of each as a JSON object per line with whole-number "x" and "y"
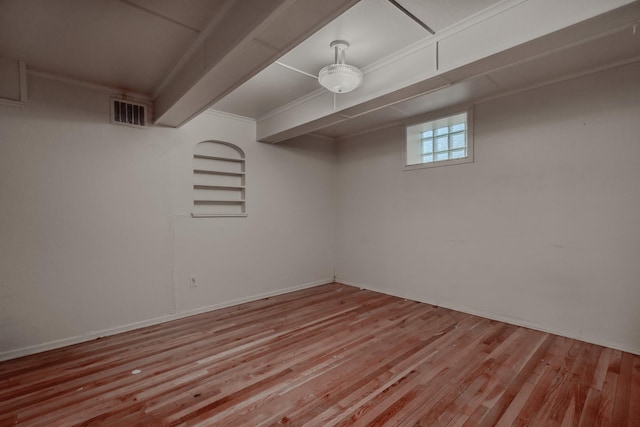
{"x": 438, "y": 164}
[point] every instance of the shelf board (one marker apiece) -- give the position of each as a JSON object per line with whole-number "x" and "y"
{"x": 224, "y": 159}
{"x": 218, "y": 187}
{"x": 218, "y": 202}
{"x": 206, "y": 215}
{"x": 210, "y": 172}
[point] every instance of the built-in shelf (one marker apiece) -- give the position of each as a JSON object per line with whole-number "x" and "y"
{"x": 218, "y": 187}
{"x": 223, "y": 159}
{"x": 206, "y": 215}
{"x": 218, "y": 202}
{"x": 212, "y": 172}
{"x": 219, "y": 173}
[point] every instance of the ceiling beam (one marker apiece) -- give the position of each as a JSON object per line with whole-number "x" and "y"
{"x": 525, "y": 29}
{"x": 244, "y": 40}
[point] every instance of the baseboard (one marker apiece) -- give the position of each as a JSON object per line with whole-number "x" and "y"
{"x": 506, "y": 319}
{"x": 50, "y": 345}
{"x": 200, "y": 310}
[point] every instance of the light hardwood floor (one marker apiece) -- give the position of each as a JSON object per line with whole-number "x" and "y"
{"x": 330, "y": 355}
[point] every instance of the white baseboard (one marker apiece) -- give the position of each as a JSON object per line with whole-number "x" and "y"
{"x": 505, "y": 319}
{"x": 50, "y": 345}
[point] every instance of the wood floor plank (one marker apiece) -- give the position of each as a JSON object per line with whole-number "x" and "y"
{"x": 594, "y": 395}
{"x": 481, "y": 379}
{"x": 330, "y": 385}
{"x": 435, "y": 362}
{"x": 246, "y": 349}
{"x": 365, "y": 388}
{"x": 560, "y": 381}
{"x": 623, "y": 390}
{"x": 604, "y": 415}
{"x": 538, "y": 396}
{"x": 74, "y": 353}
{"x": 119, "y": 346}
{"x": 520, "y": 374}
{"x": 332, "y": 355}
{"x": 634, "y": 394}
{"x": 339, "y": 351}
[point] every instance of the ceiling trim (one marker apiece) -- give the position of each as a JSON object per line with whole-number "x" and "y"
{"x": 293, "y": 104}
{"x": 226, "y": 115}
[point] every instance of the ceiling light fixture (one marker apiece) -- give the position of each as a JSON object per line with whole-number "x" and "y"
{"x": 340, "y": 77}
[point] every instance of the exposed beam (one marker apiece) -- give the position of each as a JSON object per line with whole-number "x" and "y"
{"x": 523, "y": 30}
{"x": 246, "y": 39}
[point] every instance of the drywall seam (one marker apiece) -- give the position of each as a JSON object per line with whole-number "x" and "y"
{"x": 507, "y": 319}
{"x": 25, "y": 351}
{"x": 134, "y": 95}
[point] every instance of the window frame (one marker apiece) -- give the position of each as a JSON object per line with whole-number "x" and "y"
{"x": 430, "y": 117}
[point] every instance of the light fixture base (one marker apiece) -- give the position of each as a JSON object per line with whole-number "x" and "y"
{"x": 340, "y": 44}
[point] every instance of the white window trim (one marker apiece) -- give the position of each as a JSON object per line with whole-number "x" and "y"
{"x": 432, "y": 117}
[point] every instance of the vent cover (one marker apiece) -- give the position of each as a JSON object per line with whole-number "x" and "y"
{"x": 128, "y": 113}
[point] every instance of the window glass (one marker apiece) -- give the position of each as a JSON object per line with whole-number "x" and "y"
{"x": 441, "y": 140}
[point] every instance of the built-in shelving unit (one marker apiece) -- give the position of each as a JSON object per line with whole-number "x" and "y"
{"x": 219, "y": 180}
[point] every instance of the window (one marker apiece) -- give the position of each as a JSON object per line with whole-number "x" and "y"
{"x": 218, "y": 180}
{"x": 443, "y": 141}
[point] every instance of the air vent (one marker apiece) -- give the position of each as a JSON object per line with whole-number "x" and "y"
{"x": 128, "y": 113}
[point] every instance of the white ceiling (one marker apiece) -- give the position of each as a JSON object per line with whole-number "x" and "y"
{"x": 194, "y": 14}
{"x": 259, "y": 58}
{"x": 359, "y": 26}
{"x": 441, "y": 14}
{"x": 374, "y": 29}
{"x": 182, "y": 55}
{"x": 377, "y": 31}
{"x": 127, "y": 44}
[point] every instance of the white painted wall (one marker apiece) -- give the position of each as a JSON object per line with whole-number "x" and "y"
{"x": 84, "y": 219}
{"x": 541, "y": 230}
{"x": 288, "y": 236}
{"x": 95, "y": 229}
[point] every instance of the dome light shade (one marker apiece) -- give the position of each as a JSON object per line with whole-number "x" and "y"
{"x": 340, "y": 77}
